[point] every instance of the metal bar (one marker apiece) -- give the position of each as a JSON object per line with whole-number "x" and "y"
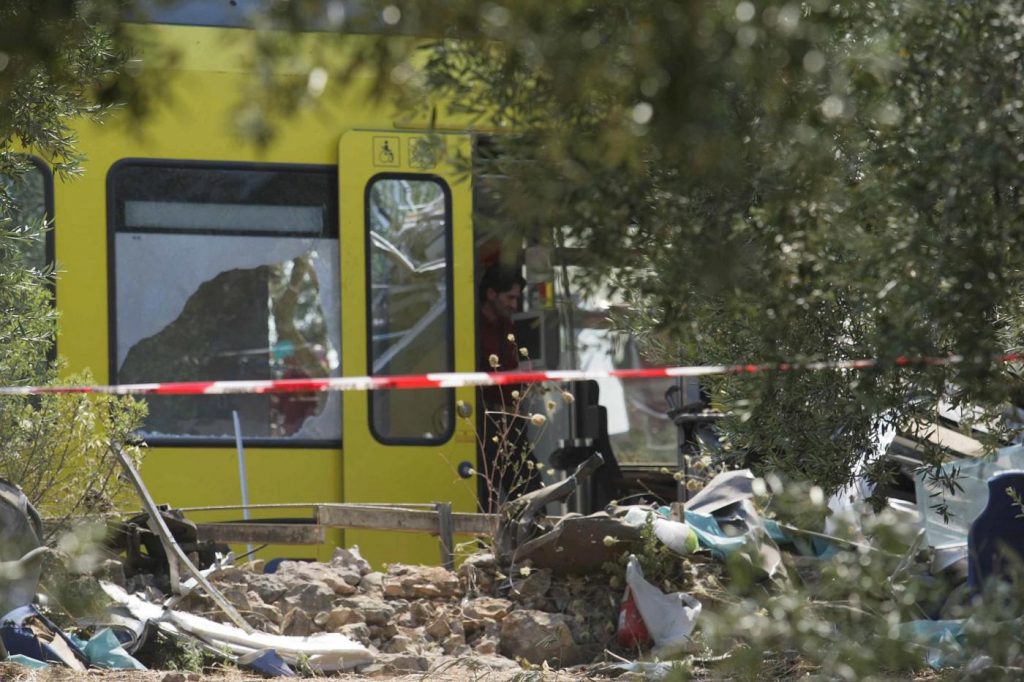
{"x": 445, "y": 534}
{"x": 298, "y": 505}
{"x": 262, "y": 533}
{"x": 175, "y": 556}
{"x": 242, "y": 478}
{"x": 397, "y": 518}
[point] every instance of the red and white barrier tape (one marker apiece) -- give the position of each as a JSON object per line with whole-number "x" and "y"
{"x": 463, "y": 379}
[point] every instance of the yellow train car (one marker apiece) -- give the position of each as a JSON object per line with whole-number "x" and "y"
{"x": 344, "y": 247}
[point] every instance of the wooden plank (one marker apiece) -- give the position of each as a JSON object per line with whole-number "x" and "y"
{"x": 260, "y": 533}
{"x": 401, "y": 519}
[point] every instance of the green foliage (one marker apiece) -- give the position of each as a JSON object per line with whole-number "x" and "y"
{"x": 62, "y": 60}
{"x": 58, "y": 62}
{"x": 658, "y": 563}
{"x": 66, "y": 576}
{"x": 763, "y": 182}
{"x": 766, "y": 183}
{"x": 838, "y": 616}
{"x": 59, "y": 449}
{"x": 163, "y": 652}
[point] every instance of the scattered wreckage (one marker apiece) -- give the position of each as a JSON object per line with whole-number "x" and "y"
{"x": 543, "y": 595}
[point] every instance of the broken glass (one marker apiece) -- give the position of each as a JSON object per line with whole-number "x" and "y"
{"x": 228, "y": 274}
{"x": 410, "y": 308}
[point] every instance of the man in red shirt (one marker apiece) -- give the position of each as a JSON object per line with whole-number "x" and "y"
{"x": 507, "y": 467}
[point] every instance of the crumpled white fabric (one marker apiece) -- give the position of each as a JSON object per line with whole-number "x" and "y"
{"x": 670, "y": 618}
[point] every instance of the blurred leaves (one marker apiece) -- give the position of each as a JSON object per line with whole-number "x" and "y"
{"x": 59, "y": 61}
{"x": 764, "y": 182}
{"x": 781, "y": 181}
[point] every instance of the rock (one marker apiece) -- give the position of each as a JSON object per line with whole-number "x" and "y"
{"x": 477, "y": 573}
{"x": 487, "y": 608}
{"x": 360, "y": 632}
{"x": 979, "y": 668}
{"x": 271, "y": 588}
{"x": 234, "y": 575}
{"x": 399, "y": 644}
{"x": 487, "y": 646}
{"x": 491, "y": 662}
{"x": 393, "y": 588}
{"x": 340, "y": 585}
{"x": 421, "y": 582}
{"x": 268, "y": 612}
{"x": 532, "y": 589}
{"x": 453, "y": 643}
{"x": 144, "y": 583}
{"x": 483, "y": 561}
{"x": 422, "y": 612}
{"x": 373, "y": 611}
{"x": 404, "y": 663}
{"x": 297, "y": 623}
{"x": 310, "y": 572}
{"x": 372, "y": 583}
{"x": 373, "y": 670}
{"x": 310, "y": 597}
{"x": 537, "y": 636}
{"x": 439, "y": 628}
{"x": 350, "y": 558}
{"x": 340, "y": 617}
{"x": 485, "y": 612}
{"x": 174, "y": 677}
{"x": 238, "y": 595}
{"x": 349, "y": 575}
{"x": 321, "y": 618}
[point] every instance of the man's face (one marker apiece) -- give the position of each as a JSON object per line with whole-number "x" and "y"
{"x": 505, "y": 303}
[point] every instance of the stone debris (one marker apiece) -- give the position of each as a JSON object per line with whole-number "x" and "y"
{"x": 415, "y": 618}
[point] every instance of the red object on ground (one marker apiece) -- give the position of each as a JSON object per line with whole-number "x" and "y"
{"x": 632, "y": 632}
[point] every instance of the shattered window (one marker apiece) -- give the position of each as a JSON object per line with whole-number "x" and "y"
{"x": 228, "y": 274}
{"x": 410, "y": 305}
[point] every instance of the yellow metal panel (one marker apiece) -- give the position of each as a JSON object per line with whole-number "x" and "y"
{"x": 193, "y": 116}
{"x": 377, "y": 472}
{"x": 199, "y": 477}
{"x": 193, "y": 120}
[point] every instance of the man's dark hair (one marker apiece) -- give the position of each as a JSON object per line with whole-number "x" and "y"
{"x": 501, "y": 278}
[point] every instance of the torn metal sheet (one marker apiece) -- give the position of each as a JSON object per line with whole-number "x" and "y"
{"x": 727, "y": 498}
{"x": 568, "y": 544}
{"x": 322, "y": 652}
{"x": 576, "y": 544}
{"x": 21, "y": 533}
{"x": 725, "y": 489}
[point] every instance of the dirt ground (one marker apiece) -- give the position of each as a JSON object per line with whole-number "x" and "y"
{"x": 17, "y": 673}
{"x": 464, "y": 670}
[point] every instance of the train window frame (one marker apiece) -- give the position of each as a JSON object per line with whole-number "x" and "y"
{"x": 116, "y": 225}
{"x": 449, "y": 338}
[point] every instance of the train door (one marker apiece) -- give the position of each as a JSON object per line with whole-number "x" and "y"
{"x": 407, "y": 292}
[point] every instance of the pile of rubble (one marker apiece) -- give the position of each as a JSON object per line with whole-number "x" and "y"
{"x": 414, "y": 618}
{"x": 554, "y": 593}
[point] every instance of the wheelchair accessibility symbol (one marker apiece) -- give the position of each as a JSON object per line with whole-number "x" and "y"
{"x": 386, "y": 151}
